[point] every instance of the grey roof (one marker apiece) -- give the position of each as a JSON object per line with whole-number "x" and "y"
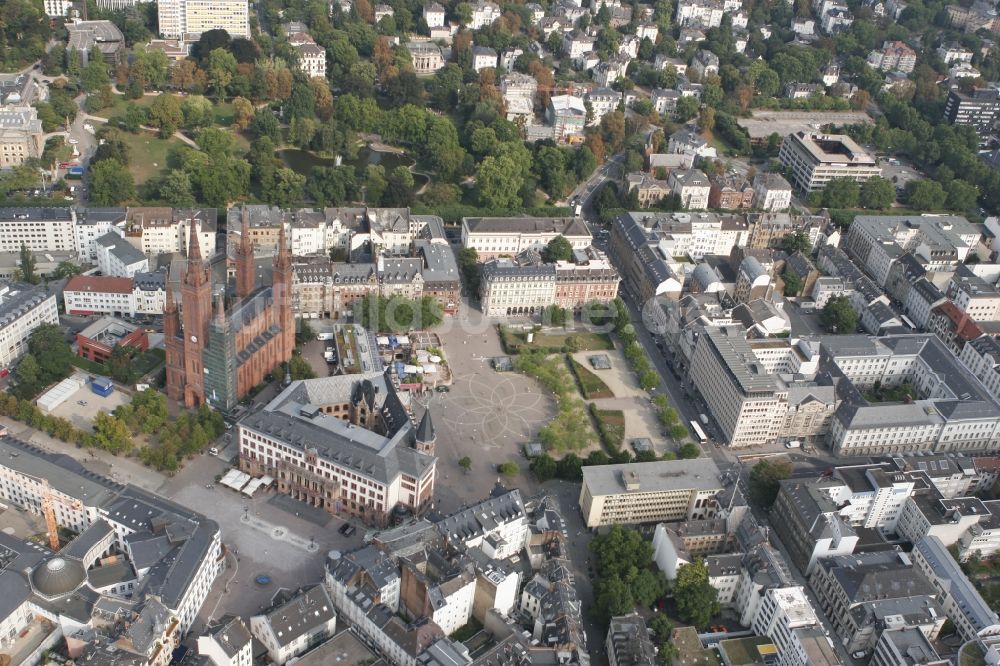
{"x": 110, "y": 574}
{"x": 58, "y": 576}
{"x": 880, "y": 575}
{"x": 35, "y": 214}
{"x": 302, "y": 615}
{"x": 911, "y": 645}
{"x": 567, "y": 226}
{"x": 96, "y": 532}
{"x": 629, "y": 638}
{"x": 425, "y": 431}
{"x": 20, "y": 299}
{"x": 150, "y": 281}
{"x": 64, "y": 474}
{"x": 956, "y": 584}
{"x": 292, "y": 418}
{"x": 84, "y": 35}
{"x": 736, "y": 356}
{"x": 696, "y": 474}
{"x": 499, "y": 269}
{"x": 927, "y": 291}
{"x": 16, "y": 557}
{"x": 439, "y": 262}
{"x": 87, "y": 216}
{"x": 121, "y": 248}
{"x": 466, "y": 524}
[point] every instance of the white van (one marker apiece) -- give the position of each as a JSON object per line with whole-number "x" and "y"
{"x": 325, "y": 336}
{"x": 794, "y": 444}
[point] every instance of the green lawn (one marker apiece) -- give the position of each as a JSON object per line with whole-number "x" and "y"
{"x": 119, "y": 106}
{"x": 554, "y": 342}
{"x": 591, "y": 386}
{"x": 149, "y": 154}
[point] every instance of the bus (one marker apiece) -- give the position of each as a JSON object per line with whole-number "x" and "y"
{"x": 699, "y": 433}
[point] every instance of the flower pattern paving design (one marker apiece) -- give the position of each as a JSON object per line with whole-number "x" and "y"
{"x": 491, "y": 408}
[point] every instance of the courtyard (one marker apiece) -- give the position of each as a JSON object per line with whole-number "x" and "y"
{"x": 82, "y": 407}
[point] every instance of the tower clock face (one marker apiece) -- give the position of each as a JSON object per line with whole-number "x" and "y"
{"x": 194, "y": 338}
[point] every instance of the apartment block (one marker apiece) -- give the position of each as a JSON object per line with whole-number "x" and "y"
{"x": 816, "y": 159}
{"x": 772, "y": 192}
{"x": 493, "y": 237}
{"x": 23, "y": 308}
{"x": 962, "y": 603}
{"x": 39, "y": 229}
{"x": 638, "y": 493}
{"x": 628, "y": 642}
{"x": 155, "y": 231}
{"x": 893, "y": 56}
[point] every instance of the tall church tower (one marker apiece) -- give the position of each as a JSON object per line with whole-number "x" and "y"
{"x": 245, "y": 269}
{"x": 282, "y": 291}
{"x": 425, "y": 438}
{"x": 174, "y": 344}
{"x": 196, "y": 303}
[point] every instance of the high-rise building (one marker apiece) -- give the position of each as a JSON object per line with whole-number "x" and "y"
{"x": 221, "y": 353}
{"x": 977, "y": 109}
{"x": 187, "y": 19}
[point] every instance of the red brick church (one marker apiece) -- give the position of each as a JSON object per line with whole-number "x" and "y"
{"x": 219, "y": 348}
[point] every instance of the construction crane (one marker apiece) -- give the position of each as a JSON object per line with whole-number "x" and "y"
{"x": 49, "y": 512}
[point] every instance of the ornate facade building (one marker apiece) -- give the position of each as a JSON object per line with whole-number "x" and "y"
{"x": 216, "y": 354}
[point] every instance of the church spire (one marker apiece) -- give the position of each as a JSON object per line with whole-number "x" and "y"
{"x": 197, "y": 272}
{"x": 245, "y": 268}
{"x": 283, "y": 259}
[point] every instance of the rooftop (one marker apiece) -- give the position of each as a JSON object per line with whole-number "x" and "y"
{"x": 697, "y": 474}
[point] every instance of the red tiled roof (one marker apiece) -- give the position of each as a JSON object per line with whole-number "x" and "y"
{"x": 99, "y": 283}
{"x": 964, "y": 327}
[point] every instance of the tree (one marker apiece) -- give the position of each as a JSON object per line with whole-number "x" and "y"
{"x": 221, "y": 68}
{"x": 111, "y": 434}
{"x": 110, "y": 183}
{"x": 706, "y": 119}
{"x": 508, "y": 469}
{"x": 688, "y": 450}
{"x": 557, "y": 249}
{"x": 925, "y": 195}
{"x": 26, "y": 265}
{"x": 299, "y": 368}
{"x": 95, "y": 74}
{"x": 543, "y": 467}
{"x": 553, "y": 315}
{"x": 796, "y": 242}
{"x": 765, "y": 480}
{"x": 686, "y": 109}
{"x": 841, "y": 193}
{"x": 175, "y": 189}
{"x": 877, "y": 193}
{"x": 697, "y": 601}
{"x": 243, "y": 113}
{"x": 793, "y": 284}
{"x": 66, "y": 269}
{"x": 962, "y": 195}
{"x": 465, "y": 462}
{"x": 499, "y": 182}
{"x": 165, "y": 112}
{"x": 838, "y": 316}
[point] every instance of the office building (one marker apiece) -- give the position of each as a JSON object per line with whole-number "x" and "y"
{"x": 116, "y": 257}
{"x": 977, "y": 109}
{"x": 816, "y": 159}
{"x": 23, "y": 308}
{"x": 187, "y": 19}
{"x": 649, "y": 492}
{"x": 744, "y": 398}
{"x": 85, "y": 36}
